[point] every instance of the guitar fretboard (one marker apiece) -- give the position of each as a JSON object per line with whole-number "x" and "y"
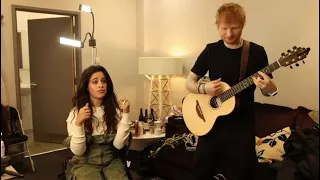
{"x": 247, "y": 82}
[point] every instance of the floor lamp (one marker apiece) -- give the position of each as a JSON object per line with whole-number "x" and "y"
{"x": 159, "y": 70}
{"x": 80, "y": 44}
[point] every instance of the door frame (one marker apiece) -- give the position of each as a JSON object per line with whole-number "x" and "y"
{"x": 77, "y": 30}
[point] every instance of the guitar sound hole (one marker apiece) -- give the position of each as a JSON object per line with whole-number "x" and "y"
{"x": 215, "y": 102}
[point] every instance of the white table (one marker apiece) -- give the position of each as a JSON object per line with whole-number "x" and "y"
{"x": 140, "y": 142}
{"x": 150, "y": 136}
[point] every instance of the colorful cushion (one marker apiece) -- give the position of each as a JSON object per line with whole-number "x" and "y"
{"x": 270, "y": 148}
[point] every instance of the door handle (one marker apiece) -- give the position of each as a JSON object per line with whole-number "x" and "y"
{"x": 32, "y": 84}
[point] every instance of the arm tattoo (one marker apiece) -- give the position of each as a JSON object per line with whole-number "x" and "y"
{"x": 192, "y": 83}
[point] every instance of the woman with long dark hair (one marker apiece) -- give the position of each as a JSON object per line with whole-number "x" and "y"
{"x": 98, "y": 126}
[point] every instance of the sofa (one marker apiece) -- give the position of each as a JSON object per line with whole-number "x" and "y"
{"x": 176, "y": 163}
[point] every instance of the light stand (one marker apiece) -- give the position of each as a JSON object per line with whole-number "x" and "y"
{"x": 92, "y": 40}
{"x": 92, "y": 44}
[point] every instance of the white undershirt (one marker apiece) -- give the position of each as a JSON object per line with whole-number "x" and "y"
{"x": 77, "y": 133}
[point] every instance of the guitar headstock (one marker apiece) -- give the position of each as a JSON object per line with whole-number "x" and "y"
{"x": 293, "y": 56}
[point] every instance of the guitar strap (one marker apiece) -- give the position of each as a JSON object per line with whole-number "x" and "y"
{"x": 243, "y": 65}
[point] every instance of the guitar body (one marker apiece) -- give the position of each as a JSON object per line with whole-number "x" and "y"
{"x": 200, "y": 115}
{"x": 200, "y": 111}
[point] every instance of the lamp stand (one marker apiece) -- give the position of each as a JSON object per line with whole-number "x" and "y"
{"x": 93, "y": 61}
{"x": 159, "y": 96}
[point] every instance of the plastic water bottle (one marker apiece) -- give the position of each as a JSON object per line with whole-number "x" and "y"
{"x": 2, "y": 148}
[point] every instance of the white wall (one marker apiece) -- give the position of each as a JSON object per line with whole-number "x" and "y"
{"x": 184, "y": 27}
{"x": 116, "y": 41}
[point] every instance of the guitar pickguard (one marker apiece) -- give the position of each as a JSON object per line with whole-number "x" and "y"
{"x": 199, "y": 111}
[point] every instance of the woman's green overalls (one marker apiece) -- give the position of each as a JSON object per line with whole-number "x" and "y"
{"x": 99, "y": 162}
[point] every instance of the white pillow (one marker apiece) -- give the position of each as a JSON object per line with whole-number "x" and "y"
{"x": 271, "y": 148}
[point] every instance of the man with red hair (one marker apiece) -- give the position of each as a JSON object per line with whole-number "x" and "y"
{"x": 228, "y": 150}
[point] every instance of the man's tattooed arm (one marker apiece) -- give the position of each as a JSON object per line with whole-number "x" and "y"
{"x": 193, "y": 85}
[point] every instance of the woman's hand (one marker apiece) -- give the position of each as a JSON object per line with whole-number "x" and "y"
{"x": 124, "y": 105}
{"x": 83, "y": 115}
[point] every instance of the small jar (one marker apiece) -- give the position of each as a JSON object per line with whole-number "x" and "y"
{"x": 136, "y": 128}
{"x": 157, "y": 131}
{"x": 140, "y": 129}
{"x": 151, "y": 127}
{"x": 145, "y": 126}
{"x": 158, "y": 124}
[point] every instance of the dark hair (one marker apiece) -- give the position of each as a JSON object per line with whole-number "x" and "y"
{"x": 109, "y": 101}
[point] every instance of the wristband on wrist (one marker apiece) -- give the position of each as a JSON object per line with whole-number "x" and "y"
{"x": 274, "y": 93}
{"x": 198, "y": 88}
{"x": 204, "y": 88}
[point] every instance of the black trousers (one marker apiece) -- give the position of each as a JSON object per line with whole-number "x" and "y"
{"x": 228, "y": 149}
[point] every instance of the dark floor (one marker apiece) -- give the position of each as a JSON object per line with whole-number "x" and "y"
{"x": 36, "y": 147}
{"x": 49, "y": 165}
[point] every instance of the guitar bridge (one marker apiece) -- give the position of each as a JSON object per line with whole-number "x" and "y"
{"x": 199, "y": 111}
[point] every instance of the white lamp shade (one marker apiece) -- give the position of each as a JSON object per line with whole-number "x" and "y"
{"x": 160, "y": 66}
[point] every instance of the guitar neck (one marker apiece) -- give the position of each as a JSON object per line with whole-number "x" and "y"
{"x": 247, "y": 82}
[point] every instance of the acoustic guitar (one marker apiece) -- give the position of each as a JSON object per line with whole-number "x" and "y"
{"x": 200, "y": 111}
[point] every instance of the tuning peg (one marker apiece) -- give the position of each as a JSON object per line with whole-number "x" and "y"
{"x": 294, "y": 47}
{"x": 297, "y": 64}
{"x": 289, "y": 51}
{"x": 282, "y": 54}
{"x": 303, "y": 61}
{"x": 290, "y": 67}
